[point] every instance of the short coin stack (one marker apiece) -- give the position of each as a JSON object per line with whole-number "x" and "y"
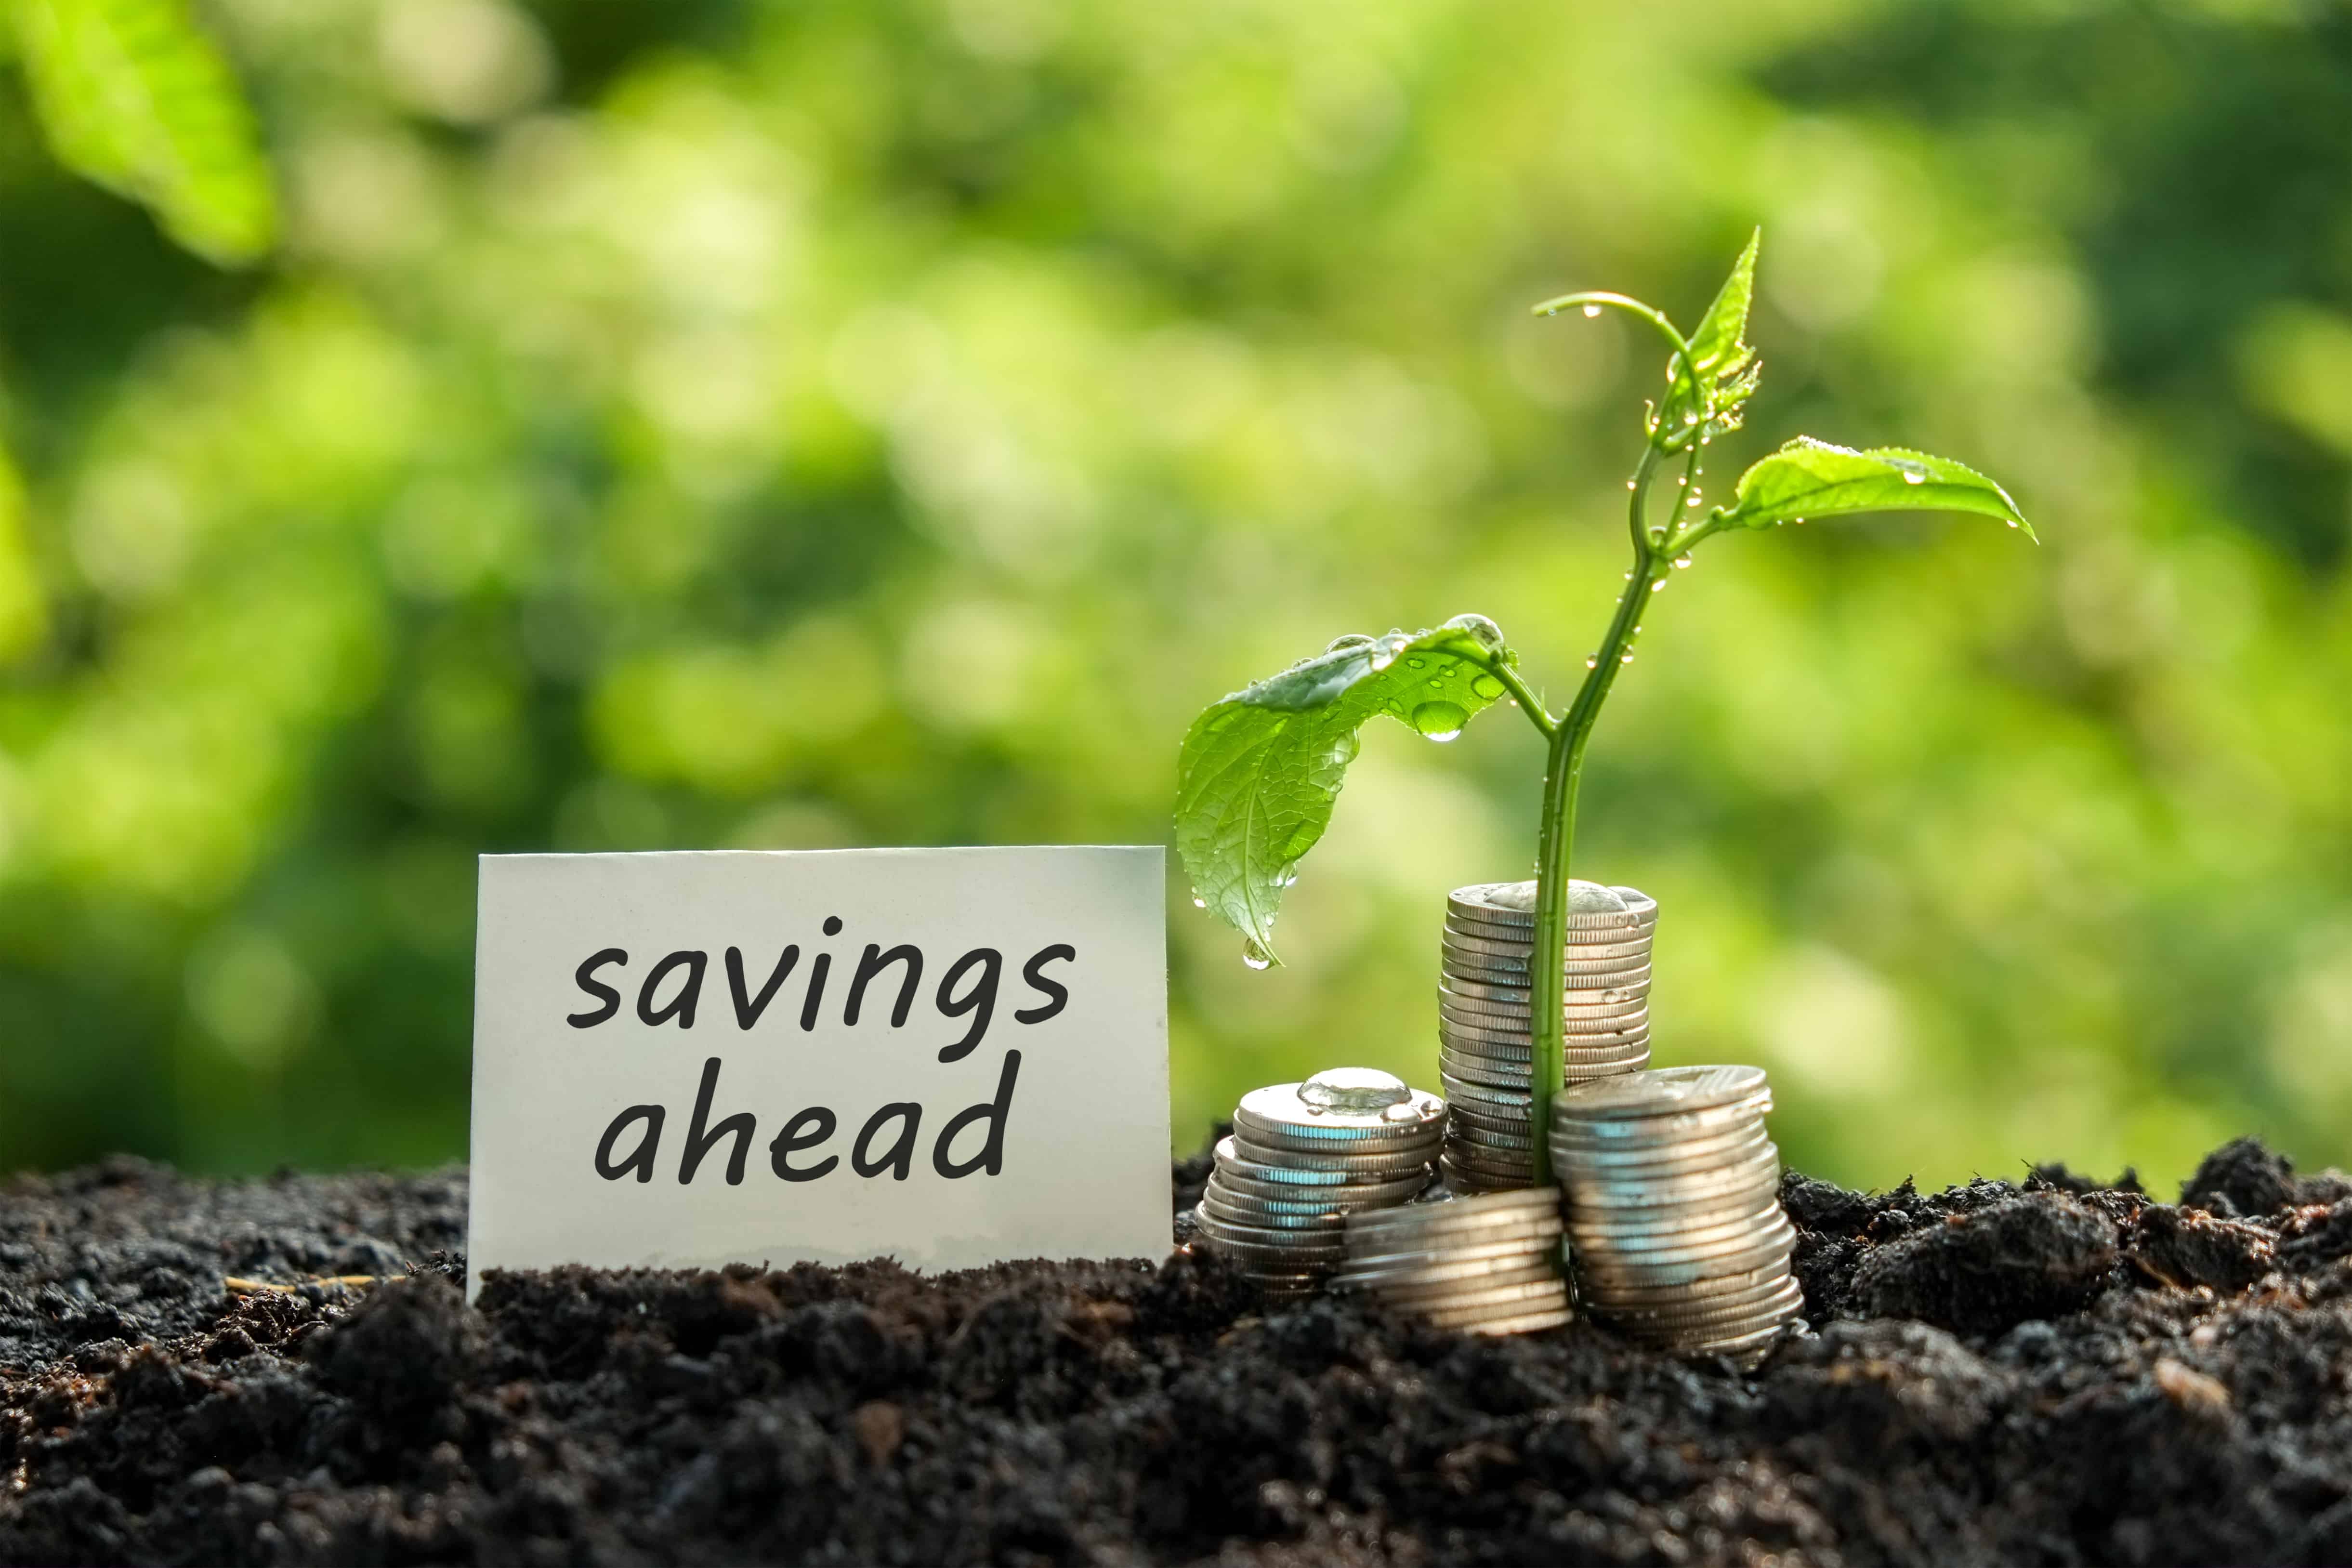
{"x": 1487, "y": 1265}
{"x": 1305, "y": 1156}
{"x": 1485, "y": 1021}
{"x": 1673, "y": 1208}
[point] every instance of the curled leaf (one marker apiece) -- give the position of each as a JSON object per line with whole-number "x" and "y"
{"x": 1260, "y": 771}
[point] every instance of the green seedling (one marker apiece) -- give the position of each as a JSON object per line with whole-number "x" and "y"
{"x": 1260, "y": 771}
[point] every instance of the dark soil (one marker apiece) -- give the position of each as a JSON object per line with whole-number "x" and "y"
{"x": 2051, "y": 1372}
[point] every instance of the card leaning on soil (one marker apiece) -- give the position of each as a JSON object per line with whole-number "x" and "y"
{"x": 950, "y": 1056}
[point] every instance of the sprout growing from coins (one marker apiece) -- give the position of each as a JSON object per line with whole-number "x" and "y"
{"x": 1260, "y": 771}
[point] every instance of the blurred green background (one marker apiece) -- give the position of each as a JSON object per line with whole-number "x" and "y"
{"x": 888, "y": 421}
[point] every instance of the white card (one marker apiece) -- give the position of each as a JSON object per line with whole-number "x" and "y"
{"x": 1010, "y": 1100}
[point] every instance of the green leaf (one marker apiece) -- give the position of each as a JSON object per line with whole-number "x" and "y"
{"x": 1812, "y": 478}
{"x": 1260, "y": 771}
{"x": 131, "y": 95}
{"x": 1725, "y": 369}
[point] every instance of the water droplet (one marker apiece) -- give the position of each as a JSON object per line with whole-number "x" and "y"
{"x": 1914, "y": 477}
{"x": 1255, "y": 955}
{"x": 1418, "y": 663}
{"x": 1199, "y": 903}
{"x": 1592, "y": 310}
{"x": 1353, "y": 639}
{"x": 1478, "y": 626}
{"x": 1630, "y": 485}
{"x": 1440, "y": 720}
{"x": 1681, "y": 561}
{"x": 1691, "y": 500}
{"x": 2012, "y": 522}
{"x": 1656, "y": 584}
{"x": 1487, "y": 687}
{"x": 1591, "y": 661}
{"x": 1629, "y": 576}
{"x": 1612, "y": 996}
{"x": 1626, "y": 659}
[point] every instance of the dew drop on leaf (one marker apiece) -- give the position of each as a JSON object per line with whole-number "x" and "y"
{"x": 1681, "y": 561}
{"x": 1487, "y": 687}
{"x": 1199, "y": 903}
{"x": 1914, "y": 477}
{"x": 1592, "y": 310}
{"x": 1255, "y": 956}
{"x": 1440, "y": 720}
{"x": 1656, "y": 584}
{"x": 1591, "y": 661}
{"x": 1625, "y": 659}
{"x": 1353, "y": 639}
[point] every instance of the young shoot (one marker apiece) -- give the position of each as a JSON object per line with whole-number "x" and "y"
{"x": 1260, "y": 771}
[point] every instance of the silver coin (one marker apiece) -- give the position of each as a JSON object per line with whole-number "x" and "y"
{"x": 1626, "y": 1203}
{"x": 1509, "y": 1251}
{"x": 1600, "y": 1277}
{"x": 1714, "y": 1315}
{"x": 1675, "y": 1091}
{"x": 1355, "y": 1143}
{"x": 1462, "y": 935}
{"x": 1614, "y": 949}
{"x": 1367, "y": 1163}
{"x": 1500, "y": 1079}
{"x": 1531, "y": 1216}
{"x": 1461, "y": 1312}
{"x": 1292, "y": 1111}
{"x": 1619, "y": 1191}
{"x": 1508, "y": 1309}
{"x": 1532, "y": 1322}
{"x": 1748, "y": 1282}
{"x": 1577, "y": 1018}
{"x": 1518, "y": 1051}
{"x": 1576, "y": 1127}
{"x": 1538, "y": 1275}
{"x": 1287, "y": 1214}
{"x": 1231, "y": 1162}
{"x": 1581, "y": 968}
{"x": 1739, "y": 1142}
{"x": 1663, "y": 1266}
{"x": 1444, "y": 1268}
{"x": 1467, "y": 1107}
{"x": 1462, "y": 1092}
{"x": 1634, "y": 917}
{"x": 1634, "y": 1230}
{"x": 1518, "y": 1171}
{"x": 1282, "y": 1254}
{"x": 1483, "y": 996}
{"x": 1351, "y": 1194}
{"x": 1517, "y": 900}
{"x": 1576, "y": 990}
{"x": 1299, "y": 1240}
{"x": 1661, "y": 1307}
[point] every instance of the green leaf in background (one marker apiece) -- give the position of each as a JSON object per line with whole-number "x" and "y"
{"x": 1726, "y": 370}
{"x": 23, "y": 614}
{"x": 131, "y": 95}
{"x": 1812, "y": 478}
{"x": 1260, "y": 771}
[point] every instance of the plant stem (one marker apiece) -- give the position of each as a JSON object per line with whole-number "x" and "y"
{"x": 1557, "y": 835}
{"x": 1530, "y": 703}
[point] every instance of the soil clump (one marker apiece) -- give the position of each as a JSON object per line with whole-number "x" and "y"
{"x": 2052, "y": 1371}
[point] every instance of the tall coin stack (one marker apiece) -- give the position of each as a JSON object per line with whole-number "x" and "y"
{"x": 1485, "y": 1021}
{"x": 1673, "y": 1208}
{"x": 1303, "y": 1157}
{"x": 1487, "y": 1265}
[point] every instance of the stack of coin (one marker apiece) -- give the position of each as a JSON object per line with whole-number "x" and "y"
{"x": 1305, "y": 1156}
{"x": 1487, "y": 1265}
{"x": 1673, "y": 1208}
{"x": 1485, "y": 1021}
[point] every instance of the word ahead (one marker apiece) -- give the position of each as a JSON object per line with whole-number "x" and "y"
{"x": 971, "y": 1043}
